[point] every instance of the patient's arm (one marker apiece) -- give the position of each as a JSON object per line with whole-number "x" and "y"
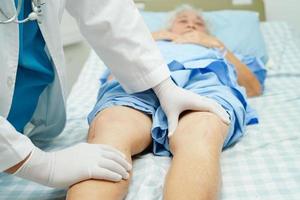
{"x": 199, "y": 38}
{"x": 245, "y": 76}
{"x": 164, "y": 35}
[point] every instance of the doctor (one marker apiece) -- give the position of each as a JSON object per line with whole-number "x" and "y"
{"x": 32, "y": 85}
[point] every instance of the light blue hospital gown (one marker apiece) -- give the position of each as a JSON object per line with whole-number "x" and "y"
{"x": 195, "y": 68}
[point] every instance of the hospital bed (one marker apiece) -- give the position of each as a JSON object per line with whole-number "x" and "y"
{"x": 264, "y": 165}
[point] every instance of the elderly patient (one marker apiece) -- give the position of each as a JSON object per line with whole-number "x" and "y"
{"x": 198, "y": 62}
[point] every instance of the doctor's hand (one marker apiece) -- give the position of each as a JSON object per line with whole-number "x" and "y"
{"x": 74, "y": 164}
{"x": 175, "y": 100}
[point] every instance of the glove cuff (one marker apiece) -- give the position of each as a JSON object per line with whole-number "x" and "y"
{"x": 163, "y": 86}
{"x": 18, "y": 172}
{"x": 36, "y": 167}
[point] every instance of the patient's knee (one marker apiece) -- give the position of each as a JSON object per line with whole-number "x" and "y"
{"x": 121, "y": 127}
{"x": 103, "y": 127}
{"x": 104, "y": 130}
{"x": 198, "y": 132}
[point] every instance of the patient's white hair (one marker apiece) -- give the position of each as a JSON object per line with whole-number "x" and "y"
{"x": 182, "y": 8}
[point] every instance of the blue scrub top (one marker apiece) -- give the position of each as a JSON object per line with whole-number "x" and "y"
{"x": 34, "y": 74}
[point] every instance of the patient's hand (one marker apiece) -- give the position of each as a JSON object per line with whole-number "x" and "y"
{"x": 203, "y": 39}
{"x": 164, "y": 35}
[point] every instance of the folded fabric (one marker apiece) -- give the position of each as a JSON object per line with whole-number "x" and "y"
{"x": 195, "y": 68}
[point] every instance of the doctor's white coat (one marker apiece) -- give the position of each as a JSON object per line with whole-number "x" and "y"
{"x": 117, "y": 33}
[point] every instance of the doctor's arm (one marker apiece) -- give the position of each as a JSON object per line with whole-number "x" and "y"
{"x": 19, "y": 156}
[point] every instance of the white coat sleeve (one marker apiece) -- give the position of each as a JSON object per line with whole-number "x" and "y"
{"x": 118, "y": 34}
{"x": 14, "y": 146}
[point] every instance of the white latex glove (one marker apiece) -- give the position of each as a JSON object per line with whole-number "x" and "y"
{"x": 74, "y": 164}
{"x": 175, "y": 100}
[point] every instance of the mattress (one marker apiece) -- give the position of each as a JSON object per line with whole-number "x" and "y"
{"x": 263, "y": 165}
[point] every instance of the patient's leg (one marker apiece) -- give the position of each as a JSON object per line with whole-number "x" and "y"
{"x": 124, "y": 128}
{"x": 196, "y": 146}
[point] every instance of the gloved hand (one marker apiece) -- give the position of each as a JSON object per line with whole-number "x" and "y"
{"x": 74, "y": 164}
{"x": 175, "y": 100}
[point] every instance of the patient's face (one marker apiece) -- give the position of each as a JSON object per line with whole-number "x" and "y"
{"x": 188, "y": 21}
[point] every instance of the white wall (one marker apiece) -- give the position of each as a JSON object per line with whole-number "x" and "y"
{"x": 284, "y": 10}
